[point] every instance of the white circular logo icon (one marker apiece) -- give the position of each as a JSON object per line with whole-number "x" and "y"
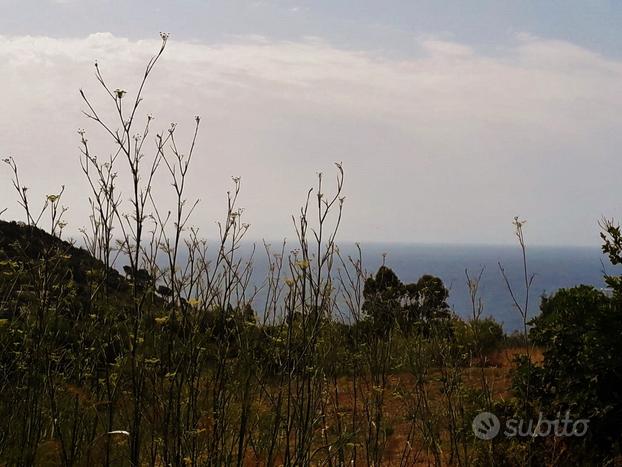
{"x": 486, "y": 426}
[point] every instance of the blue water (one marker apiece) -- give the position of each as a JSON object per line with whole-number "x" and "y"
{"x": 553, "y": 268}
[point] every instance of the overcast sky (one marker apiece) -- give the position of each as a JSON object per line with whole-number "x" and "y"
{"x": 450, "y": 117}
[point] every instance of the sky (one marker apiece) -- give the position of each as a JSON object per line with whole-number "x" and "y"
{"x": 449, "y": 117}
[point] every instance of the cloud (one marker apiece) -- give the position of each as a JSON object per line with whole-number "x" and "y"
{"x": 446, "y": 145}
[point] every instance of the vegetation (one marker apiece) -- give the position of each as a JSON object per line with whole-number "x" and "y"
{"x": 177, "y": 362}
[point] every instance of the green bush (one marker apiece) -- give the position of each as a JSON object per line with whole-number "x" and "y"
{"x": 579, "y": 332}
{"x": 478, "y": 338}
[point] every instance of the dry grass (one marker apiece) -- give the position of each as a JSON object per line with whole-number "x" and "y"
{"x": 396, "y": 411}
{"x": 505, "y": 358}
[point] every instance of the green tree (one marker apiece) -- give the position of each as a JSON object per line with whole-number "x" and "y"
{"x": 382, "y": 293}
{"x": 412, "y": 307}
{"x": 579, "y": 331}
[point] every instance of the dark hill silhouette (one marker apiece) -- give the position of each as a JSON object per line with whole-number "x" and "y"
{"x": 25, "y": 249}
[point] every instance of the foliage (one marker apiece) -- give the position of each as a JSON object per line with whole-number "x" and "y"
{"x": 478, "y": 336}
{"x": 177, "y": 362}
{"x": 579, "y": 331}
{"x": 411, "y": 307}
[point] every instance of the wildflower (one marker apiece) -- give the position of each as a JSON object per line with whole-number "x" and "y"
{"x": 162, "y": 320}
{"x": 119, "y": 93}
{"x": 302, "y": 264}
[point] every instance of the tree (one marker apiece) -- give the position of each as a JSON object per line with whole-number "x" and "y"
{"x": 382, "y": 294}
{"x": 416, "y": 306}
{"x": 579, "y": 331}
{"x": 426, "y": 302}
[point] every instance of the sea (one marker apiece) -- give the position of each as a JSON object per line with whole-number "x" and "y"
{"x": 552, "y": 268}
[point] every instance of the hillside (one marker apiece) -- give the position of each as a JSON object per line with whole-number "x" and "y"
{"x": 28, "y": 254}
